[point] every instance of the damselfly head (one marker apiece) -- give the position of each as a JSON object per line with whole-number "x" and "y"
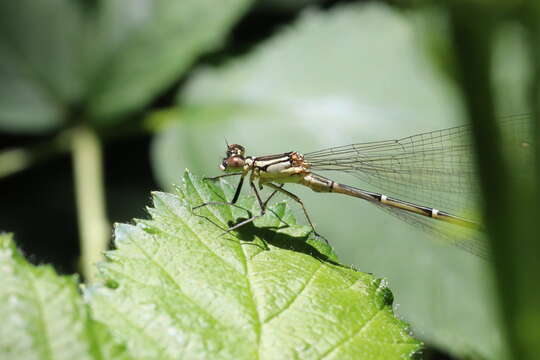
{"x": 235, "y": 149}
{"x": 235, "y": 160}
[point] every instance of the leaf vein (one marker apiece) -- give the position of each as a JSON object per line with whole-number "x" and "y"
{"x": 350, "y": 337}
{"x": 258, "y": 329}
{"x": 197, "y": 236}
{"x": 41, "y": 316}
{"x": 160, "y": 348}
{"x": 296, "y": 296}
{"x": 169, "y": 276}
{"x": 184, "y": 296}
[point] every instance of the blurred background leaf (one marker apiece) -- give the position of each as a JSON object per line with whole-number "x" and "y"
{"x": 61, "y": 61}
{"x": 40, "y": 63}
{"x": 142, "y": 46}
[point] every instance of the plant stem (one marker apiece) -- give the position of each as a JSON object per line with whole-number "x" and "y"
{"x": 94, "y": 228}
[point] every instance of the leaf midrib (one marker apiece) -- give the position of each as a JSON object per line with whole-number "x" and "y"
{"x": 48, "y": 351}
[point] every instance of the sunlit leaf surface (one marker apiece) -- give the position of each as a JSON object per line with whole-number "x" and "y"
{"x": 177, "y": 288}
{"x": 43, "y": 314}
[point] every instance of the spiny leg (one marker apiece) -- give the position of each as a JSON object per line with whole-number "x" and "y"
{"x": 232, "y": 202}
{"x": 270, "y": 196}
{"x": 217, "y": 203}
{"x": 298, "y": 200}
{"x": 262, "y": 205}
{"x": 214, "y": 178}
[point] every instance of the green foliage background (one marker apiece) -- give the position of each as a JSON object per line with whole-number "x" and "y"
{"x": 80, "y": 75}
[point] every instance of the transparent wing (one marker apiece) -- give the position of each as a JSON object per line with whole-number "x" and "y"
{"x": 434, "y": 169}
{"x": 472, "y": 241}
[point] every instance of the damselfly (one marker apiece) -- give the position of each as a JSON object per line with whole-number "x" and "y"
{"x": 428, "y": 180}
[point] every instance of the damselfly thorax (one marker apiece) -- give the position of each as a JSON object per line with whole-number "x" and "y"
{"x": 281, "y": 168}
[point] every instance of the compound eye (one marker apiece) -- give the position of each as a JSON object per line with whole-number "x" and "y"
{"x": 235, "y": 162}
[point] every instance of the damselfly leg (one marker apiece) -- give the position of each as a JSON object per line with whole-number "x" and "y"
{"x": 262, "y": 204}
{"x": 214, "y": 178}
{"x": 230, "y": 203}
{"x": 299, "y": 201}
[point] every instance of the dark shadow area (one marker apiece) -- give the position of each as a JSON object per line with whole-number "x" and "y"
{"x": 38, "y": 205}
{"x": 272, "y": 236}
{"x": 431, "y": 353}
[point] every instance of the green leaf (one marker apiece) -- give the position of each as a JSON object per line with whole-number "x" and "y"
{"x": 40, "y": 63}
{"x": 60, "y": 58}
{"x": 176, "y": 287}
{"x": 142, "y": 49}
{"x": 356, "y": 73}
{"x": 43, "y": 315}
